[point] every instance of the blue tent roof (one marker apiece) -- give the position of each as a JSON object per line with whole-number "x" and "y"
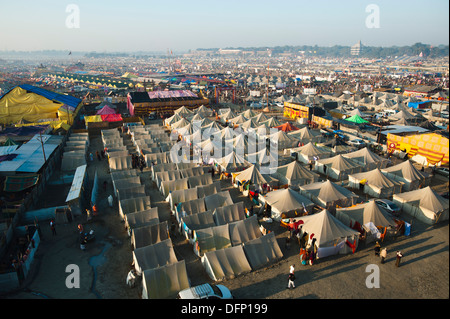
{"x": 62, "y": 98}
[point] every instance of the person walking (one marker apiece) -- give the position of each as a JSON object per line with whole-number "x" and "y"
{"x": 383, "y": 255}
{"x": 291, "y": 278}
{"x": 377, "y": 249}
{"x": 52, "y": 227}
{"x": 399, "y": 258}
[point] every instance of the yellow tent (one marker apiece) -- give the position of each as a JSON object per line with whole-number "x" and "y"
{"x": 19, "y": 104}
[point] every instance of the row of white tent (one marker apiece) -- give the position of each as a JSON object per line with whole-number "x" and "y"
{"x": 153, "y": 249}
{"x": 75, "y": 151}
{"x": 153, "y": 255}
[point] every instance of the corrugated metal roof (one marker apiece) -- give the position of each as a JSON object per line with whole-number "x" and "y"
{"x": 77, "y": 184}
{"x": 30, "y": 157}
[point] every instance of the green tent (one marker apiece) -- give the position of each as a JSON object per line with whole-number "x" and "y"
{"x": 9, "y": 142}
{"x": 357, "y": 119}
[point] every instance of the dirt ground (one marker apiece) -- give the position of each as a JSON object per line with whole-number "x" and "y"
{"x": 423, "y": 274}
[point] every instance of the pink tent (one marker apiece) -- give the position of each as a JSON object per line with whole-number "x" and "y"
{"x": 106, "y": 110}
{"x": 111, "y": 117}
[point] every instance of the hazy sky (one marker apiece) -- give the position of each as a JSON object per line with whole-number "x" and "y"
{"x": 131, "y": 25}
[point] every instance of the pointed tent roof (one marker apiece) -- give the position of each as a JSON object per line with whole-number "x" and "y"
{"x": 253, "y": 175}
{"x": 357, "y": 112}
{"x": 311, "y": 150}
{"x": 369, "y": 212}
{"x": 326, "y": 228}
{"x": 282, "y": 139}
{"x": 248, "y": 113}
{"x": 106, "y": 110}
{"x": 406, "y": 170}
{"x": 197, "y": 117}
{"x": 228, "y": 115}
{"x": 428, "y": 125}
{"x": 357, "y": 119}
{"x": 304, "y": 134}
{"x": 261, "y": 117}
{"x": 203, "y": 110}
{"x": 377, "y": 178}
{"x": 287, "y": 200}
{"x": 328, "y": 191}
{"x": 173, "y": 119}
{"x": 238, "y": 119}
{"x": 261, "y": 157}
{"x": 206, "y": 122}
{"x": 103, "y": 104}
{"x": 365, "y": 156}
{"x": 232, "y": 161}
{"x": 287, "y": 127}
{"x": 226, "y": 133}
{"x": 426, "y": 198}
{"x": 183, "y": 111}
{"x": 295, "y": 171}
{"x": 272, "y": 122}
{"x": 251, "y": 123}
{"x": 187, "y": 130}
{"x": 181, "y": 123}
{"x": 403, "y": 115}
{"x": 339, "y": 163}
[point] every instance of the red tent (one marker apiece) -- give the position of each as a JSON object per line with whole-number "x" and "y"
{"x": 287, "y": 127}
{"x": 111, "y": 117}
{"x": 106, "y": 110}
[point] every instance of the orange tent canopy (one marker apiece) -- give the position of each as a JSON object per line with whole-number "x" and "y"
{"x": 287, "y": 127}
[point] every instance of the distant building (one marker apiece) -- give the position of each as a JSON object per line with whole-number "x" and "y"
{"x": 420, "y": 90}
{"x": 229, "y": 51}
{"x": 356, "y": 49}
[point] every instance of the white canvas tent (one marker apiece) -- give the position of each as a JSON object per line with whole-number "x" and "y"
{"x": 149, "y": 234}
{"x": 368, "y": 159}
{"x": 230, "y": 213}
{"x": 217, "y": 200}
{"x": 168, "y": 186}
{"x": 133, "y": 205}
{"x": 306, "y": 135}
{"x": 407, "y": 174}
{"x": 212, "y": 238}
{"x": 369, "y": 216}
{"x": 244, "y": 230}
{"x": 120, "y": 163}
{"x": 287, "y": 203}
{"x": 194, "y": 222}
{"x": 424, "y": 204}
{"x": 376, "y": 184}
{"x": 165, "y": 282}
{"x": 338, "y": 167}
{"x": 133, "y": 181}
{"x": 331, "y": 234}
{"x": 294, "y": 174}
{"x": 329, "y": 195}
{"x": 226, "y": 263}
{"x": 131, "y": 192}
{"x": 310, "y": 152}
{"x": 153, "y": 256}
{"x": 254, "y": 177}
{"x": 190, "y": 207}
{"x": 232, "y": 162}
{"x": 262, "y": 251}
{"x": 181, "y": 195}
{"x": 141, "y": 218}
